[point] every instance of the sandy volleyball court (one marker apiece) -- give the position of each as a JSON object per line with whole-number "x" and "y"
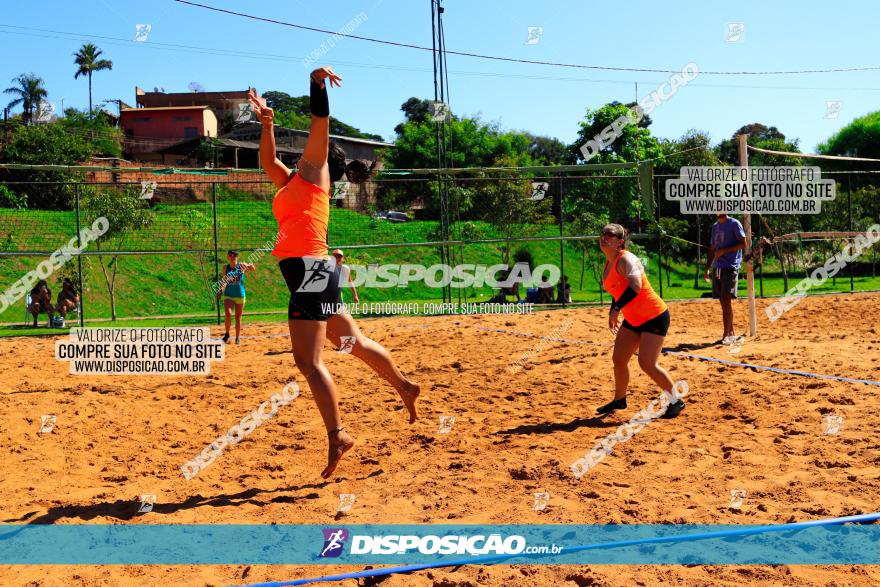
{"x": 515, "y": 434}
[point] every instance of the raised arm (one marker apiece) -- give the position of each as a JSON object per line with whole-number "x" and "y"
{"x": 312, "y": 165}
{"x": 275, "y": 169}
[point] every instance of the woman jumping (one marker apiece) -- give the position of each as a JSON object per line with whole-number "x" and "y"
{"x": 302, "y": 209}
{"x": 646, "y": 320}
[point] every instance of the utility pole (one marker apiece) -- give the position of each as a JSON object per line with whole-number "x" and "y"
{"x": 441, "y": 92}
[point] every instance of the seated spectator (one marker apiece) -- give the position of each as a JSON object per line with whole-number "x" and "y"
{"x": 563, "y": 291}
{"x": 512, "y": 290}
{"x": 68, "y": 298}
{"x": 545, "y": 291}
{"x": 41, "y": 300}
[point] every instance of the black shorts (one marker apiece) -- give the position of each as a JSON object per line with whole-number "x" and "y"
{"x": 724, "y": 282}
{"x": 658, "y": 325}
{"x": 314, "y": 287}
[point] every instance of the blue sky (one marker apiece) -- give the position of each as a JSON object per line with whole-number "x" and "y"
{"x": 778, "y": 35}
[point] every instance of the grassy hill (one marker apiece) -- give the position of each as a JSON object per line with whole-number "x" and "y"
{"x": 160, "y": 283}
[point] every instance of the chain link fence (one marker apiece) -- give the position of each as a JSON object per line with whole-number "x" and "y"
{"x": 167, "y": 243}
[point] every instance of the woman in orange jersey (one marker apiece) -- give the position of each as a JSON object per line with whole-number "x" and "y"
{"x": 302, "y": 209}
{"x": 645, "y": 323}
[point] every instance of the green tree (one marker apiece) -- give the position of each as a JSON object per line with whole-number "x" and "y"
{"x": 415, "y": 110}
{"x": 692, "y": 149}
{"x": 505, "y": 203}
{"x": 45, "y": 144}
{"x": 546, "y": 150}
{"x": 105, "y": 138}
{"x": 125, "y": 212}
{"x": 589, "y": 223}
{"x": 293, "y": 112}
{"x": 87, "y": 62}
{"x": 284, "y": 102}
{"x": 857, "y": 139}
{"x": 471, "y": 143}
{"x": 635, "y": 142}
{"x": 763, "y": 137}
{"x": 200, "y": 234}
{"x": 29, "y": 92}
{"x": 617, "y": 199}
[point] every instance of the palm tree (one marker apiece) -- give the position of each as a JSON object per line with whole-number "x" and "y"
{"x": 88, "y": 62}
{"x": 30, "y": 92}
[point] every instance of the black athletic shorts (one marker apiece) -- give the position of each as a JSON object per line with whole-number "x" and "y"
{"x": 724, "y": 282}
{"x": 658, "y": 325}
{"x": 314, "y": 287}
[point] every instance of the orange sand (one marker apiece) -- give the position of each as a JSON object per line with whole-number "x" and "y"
{"x": 515, "y": 434}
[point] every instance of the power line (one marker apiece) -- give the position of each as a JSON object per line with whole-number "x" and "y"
{"x": 290, "y": 58}
{"x": 515, "y": 60}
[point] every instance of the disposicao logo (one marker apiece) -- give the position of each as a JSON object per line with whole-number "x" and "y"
{"x": 334, "y": 542}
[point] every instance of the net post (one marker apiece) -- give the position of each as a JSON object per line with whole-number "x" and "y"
{"x": 216, "y": 245}
{"x": 79, "y": 262}
{"x": 561, "y": 179}
{"x": 747, "y": 225}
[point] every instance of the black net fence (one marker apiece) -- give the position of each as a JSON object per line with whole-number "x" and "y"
{"x": 166, "y": 240}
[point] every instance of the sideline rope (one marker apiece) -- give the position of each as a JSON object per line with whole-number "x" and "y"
{"x": 809, "y": 156}
{"x": 690, "y": 356}
{"x": 669, "y": 352}
{"x": 565, "y": 340}
{"x": 773, "y": 369}
{"x": 857, "y": 519}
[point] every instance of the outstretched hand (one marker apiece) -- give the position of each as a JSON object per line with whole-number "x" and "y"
{"x": 322, "y": 73}
{"x": 265, "y": 114}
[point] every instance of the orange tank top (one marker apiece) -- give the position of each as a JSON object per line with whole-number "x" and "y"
{"x": 302, "y": 210}
{"x": 645, "y": 306}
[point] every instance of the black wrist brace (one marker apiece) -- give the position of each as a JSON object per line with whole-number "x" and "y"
{"x": 318, "y": 102}
{"x": 626, "y": 297}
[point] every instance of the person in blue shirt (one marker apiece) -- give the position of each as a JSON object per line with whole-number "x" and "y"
{"x": 233, "y": 277}
{"x": 723, "y": 261}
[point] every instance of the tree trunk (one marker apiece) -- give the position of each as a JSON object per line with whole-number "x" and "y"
{"x": 90, "y": 112}
{"x": 113, "y": 289}
{"x": 784, "y": 272}
{"x": 598, "y": 278}
{"x": 109, "y": 286}
{"x": 583, "y": 266}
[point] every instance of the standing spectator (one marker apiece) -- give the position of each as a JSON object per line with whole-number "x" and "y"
{"x": 724, "y": 260}
{"x": 345, "y": 276}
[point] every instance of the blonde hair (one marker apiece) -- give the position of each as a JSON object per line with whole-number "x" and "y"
{"x": 619, "y": 231}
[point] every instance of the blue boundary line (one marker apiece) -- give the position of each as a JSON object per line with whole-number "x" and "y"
{"x": 488, "y": 559}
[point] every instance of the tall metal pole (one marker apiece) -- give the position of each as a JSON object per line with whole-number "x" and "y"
{"x": 439, "y": 96}
{"x": 849, "y": 213}
{"x": 747, "y": 225}
{"x": 216, "y": 245}
{"x": 434, "y": 48}
{"x": 761, "y": 267}
{"x": 562, "y": 242}
{"x": 659, "y": 241}
{"x": 79, "y": 262}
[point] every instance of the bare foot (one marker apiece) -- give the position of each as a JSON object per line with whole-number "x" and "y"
{"x": 340, "y": 443}
{"x": 409, "y": 395}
